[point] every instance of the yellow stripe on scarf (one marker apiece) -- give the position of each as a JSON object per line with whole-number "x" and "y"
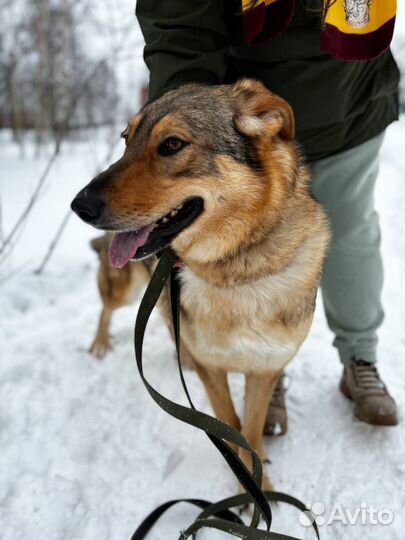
{"x": 360, "y": 16}
{"x": 349, "y": 16}
{"x": 249, "y": 4}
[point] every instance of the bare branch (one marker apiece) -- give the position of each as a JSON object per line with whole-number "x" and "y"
{"x": 31, "y": 202}
{"x": 54, "y": 243}
{"x": 58, "y": 141}
{"x": 68, "y": 214}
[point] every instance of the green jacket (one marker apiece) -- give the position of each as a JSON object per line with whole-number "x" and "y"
{"x": 337, "y": 104}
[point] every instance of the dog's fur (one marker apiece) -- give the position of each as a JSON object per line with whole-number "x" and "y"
{"x": 253, "y": 258}
{"x": 118, "y": 287}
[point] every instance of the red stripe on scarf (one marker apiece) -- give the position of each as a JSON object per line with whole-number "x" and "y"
{"x": 357, "y": 46}
{"x": 264, "y": 22}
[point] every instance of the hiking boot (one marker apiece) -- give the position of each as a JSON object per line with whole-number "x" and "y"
{"x": 372, "y": 402}
{"x": 276, "y": 419}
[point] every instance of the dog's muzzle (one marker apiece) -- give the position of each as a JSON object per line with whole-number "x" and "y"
{"x": 88, "y": 207}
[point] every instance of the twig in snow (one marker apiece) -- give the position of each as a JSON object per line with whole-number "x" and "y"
{"x": 67, "y": 216}
{"x": 7, "y": 241}
{"x": 54, "y": 243}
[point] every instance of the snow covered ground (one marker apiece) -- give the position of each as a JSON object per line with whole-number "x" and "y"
{"x": 85, "y": 453}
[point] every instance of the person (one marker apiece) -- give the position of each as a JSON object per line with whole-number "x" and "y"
{"x": 344, "y": 93}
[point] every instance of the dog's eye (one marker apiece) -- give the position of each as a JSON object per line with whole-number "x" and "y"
{"x": 171, "y": 146}
{"x": 124, "y": 134}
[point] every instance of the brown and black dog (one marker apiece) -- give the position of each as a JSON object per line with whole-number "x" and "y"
{"x": 118, "y": 287}
{"x": 214, "y": 172}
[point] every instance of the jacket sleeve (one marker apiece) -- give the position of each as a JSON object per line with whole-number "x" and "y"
{"x": 186, "y": 41}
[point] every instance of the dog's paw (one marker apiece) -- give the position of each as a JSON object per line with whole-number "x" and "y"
{"x": 99, "y": 349}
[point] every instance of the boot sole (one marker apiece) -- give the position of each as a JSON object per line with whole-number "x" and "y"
{"x": 270, "y": 429}
{"x": 373, "y": 419}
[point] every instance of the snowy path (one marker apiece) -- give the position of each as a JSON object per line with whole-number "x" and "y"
{"x": 85, "y": 453}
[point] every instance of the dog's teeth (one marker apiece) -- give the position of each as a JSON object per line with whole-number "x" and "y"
{"x": 165, "y": 220}
{"x": 173, "y": 213}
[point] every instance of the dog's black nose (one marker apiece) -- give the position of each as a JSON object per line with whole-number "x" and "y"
{"x": 88, "y": 209}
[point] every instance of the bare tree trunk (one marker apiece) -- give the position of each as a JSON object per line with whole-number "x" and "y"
{"x": 15, "y": 93}
{"x": 15, "y": 103}
{"x": 42, "y": 47}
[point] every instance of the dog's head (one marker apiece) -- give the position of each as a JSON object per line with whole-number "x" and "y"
{"x": 201, "y": 164}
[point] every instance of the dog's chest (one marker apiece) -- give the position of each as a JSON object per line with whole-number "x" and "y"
{"x": 238, "y": 328}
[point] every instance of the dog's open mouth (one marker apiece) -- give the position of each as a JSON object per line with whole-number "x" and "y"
{"x": 150, "y": 239}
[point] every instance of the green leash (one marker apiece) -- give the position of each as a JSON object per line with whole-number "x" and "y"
{"x": 214, "y": 515}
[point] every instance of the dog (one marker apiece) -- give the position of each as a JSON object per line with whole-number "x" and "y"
{"x": 119, "y": 287}
{"x": 214, "y": 172}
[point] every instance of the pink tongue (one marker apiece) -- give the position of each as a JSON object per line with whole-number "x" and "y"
{"x": 125, "y": 245}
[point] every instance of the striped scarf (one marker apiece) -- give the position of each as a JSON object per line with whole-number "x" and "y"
{"x": 351, "y": 29}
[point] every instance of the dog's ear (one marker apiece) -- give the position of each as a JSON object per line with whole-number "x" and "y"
{"x": 97, "y": 243}
{"x": 258, "y": 111}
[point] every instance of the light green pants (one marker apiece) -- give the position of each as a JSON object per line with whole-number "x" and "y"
{"x": 353, "y": 275}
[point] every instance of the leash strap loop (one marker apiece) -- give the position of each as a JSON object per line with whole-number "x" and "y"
{"x": 218, "y": 432}
{"x": 148, "y": 523}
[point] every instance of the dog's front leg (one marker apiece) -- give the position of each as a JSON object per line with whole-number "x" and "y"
{"x": 215, "y": 381}
{"x": 101, "y": 343}
{"x": 259, "y": 391}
